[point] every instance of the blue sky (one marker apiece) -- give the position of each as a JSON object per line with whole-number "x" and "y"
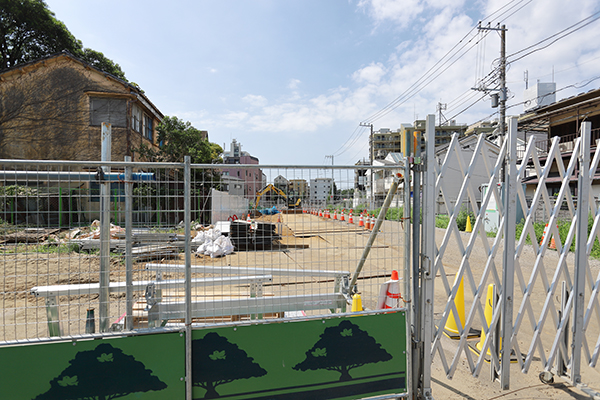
{"x": 292, "y": 79}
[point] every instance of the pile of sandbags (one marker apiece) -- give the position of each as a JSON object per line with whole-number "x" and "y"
{"x": 212, "y": 243}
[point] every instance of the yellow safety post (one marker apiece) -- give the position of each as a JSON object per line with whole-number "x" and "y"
{"x": 469, "y": 227}
{"x": 356, "y": 303}
{"x": 488, "y": 312}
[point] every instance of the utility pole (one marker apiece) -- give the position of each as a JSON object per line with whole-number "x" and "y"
{"x": 501, "y": 95}
{"x": 332, "y": 192}
{"x": 441, "y": 107}
{"x": 371, "y": 158}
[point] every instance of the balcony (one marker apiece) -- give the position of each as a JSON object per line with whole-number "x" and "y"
{"x": 566, "y": 144}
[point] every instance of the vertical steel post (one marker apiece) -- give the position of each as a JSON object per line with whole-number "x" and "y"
{"x": 128, "y": 245}
{"x": 103, "y": 297}
{"x": 428, "y": 251}
{"x": 187, "y": 221}
{"x": 407, "y": 279}
{"x": 581, "y": 237}
{"x": 508, "y": 259}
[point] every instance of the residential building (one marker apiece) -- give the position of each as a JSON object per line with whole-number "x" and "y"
{"x": 320, "y": 190}
{"x": 233, "y": 185}
{"x": 561, "y": 119}
{"x": 53, "y": 108}
{"x": 253, "y": 177}
{"x": 281, "y": 183}
{"x": 298, "y": 188}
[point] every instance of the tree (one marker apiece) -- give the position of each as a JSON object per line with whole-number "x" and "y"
{"x": 217, "y": 361}
{"x": 29, "y": 30}
{"x": 98, "y": 60}
{"x": 342, "y": 348}
{"x": 103, "y": 373}
{"x": 179, "y": 138}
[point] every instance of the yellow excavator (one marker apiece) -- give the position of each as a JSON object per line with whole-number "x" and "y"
{"x": 268, "y": 188}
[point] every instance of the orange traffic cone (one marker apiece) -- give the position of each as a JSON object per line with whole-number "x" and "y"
{"x": 278, "y": 218}
{"x": 342, "y": 218}
{"x": 361, "y": 221}
{"x": 350, "y": 219}
{"x": 544, "y": 234}
{"x": 335, "y": 214}
{"x": 389, "y": 294}
{"x": 248, "y": 218}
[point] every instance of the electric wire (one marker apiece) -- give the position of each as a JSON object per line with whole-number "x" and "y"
{"x": 407, "y": 95}
{"x": 596, "y": 15}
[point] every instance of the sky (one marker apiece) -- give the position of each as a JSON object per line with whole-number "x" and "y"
{"x": 292, "y": 80}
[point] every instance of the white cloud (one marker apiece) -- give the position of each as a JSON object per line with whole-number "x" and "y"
{"x": 294, "y": 83}
{"x": 377, "y": 84}
{"x": 255, "y": 100}
{"x": 400, "y": 11}
{"x": 370, "y": 74}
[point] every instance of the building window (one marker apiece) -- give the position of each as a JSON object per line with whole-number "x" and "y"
{"x": 148, "y": 131}
{"x": 105, "y": 109}
{"x": 136, "y": 119}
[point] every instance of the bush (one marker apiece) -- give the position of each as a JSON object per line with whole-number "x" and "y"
{"x": 461, "y": 219}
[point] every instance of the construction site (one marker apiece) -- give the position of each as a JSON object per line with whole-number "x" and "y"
{"x": 192, "y": 292}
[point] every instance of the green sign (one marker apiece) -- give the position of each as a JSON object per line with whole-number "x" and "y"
{"x": 148, "y": 367}
{"x": 336, "y": 358}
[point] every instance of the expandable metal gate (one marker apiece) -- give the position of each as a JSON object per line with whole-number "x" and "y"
{"x": 577, "y": 311}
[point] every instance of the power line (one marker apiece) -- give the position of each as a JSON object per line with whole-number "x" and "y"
{"x": 597, "y": 15}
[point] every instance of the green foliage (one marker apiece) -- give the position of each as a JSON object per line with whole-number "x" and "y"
{"x": 179, "y": 139}
{"x": 100, "y": 61}
{"x": 29, "y": 30}
{"x": 442, "y": 221}
{"x": 461, "y": 219}
{"x": 17, "y": 190}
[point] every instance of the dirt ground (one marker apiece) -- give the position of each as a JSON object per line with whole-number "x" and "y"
{"x": 308, "y": 243}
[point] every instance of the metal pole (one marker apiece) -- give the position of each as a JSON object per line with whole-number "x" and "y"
{"x": 502, "y": 102}
{"x": 428, "y": 253}
{"x": 508, "y": 259}
{"x": 187, "y": 220}
{"x": 583, "y": 187}
{"x": 103, "y": 308}
{"x": 371, "y": 158}
{"x": 373, "y": 235}
{"x": 128, "y": 245}
{"x": 407, "y": 279}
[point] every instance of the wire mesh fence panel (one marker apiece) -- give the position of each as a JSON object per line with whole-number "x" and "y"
{"x": 265, "y": 243}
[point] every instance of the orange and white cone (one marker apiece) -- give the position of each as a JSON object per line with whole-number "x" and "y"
{"x": 342, "y": 218}
{"x": 248, "y": 218}
{"x": 544, "y": 234}
{"x": 361, "y": 221}
{"x": 389, "y": 294}
{"x": 350, "y": 219}
{"x": 335, "y": 214}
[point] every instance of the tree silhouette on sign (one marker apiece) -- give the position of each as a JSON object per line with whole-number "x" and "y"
{"x": 342, "y": 348}
{"x": 102, "y": 374}
{"x": 218, "y": 361}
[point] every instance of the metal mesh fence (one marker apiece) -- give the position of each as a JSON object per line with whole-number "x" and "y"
{"x": 264, "y": 243}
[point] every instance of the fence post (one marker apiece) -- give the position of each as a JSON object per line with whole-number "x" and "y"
{"x": 188, "y": 276}
{"x": 583, "y": 187}
{"x": 508, "y": 259}
{"x": 128, "y": 245}
{"x": 103, "y": 297}
{"x": 428, "y": 251}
